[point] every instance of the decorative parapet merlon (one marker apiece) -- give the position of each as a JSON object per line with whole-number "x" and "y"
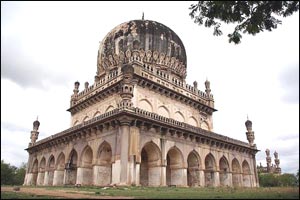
{"x": 144, "y": 57}
{"x": 97, "y": 87}
{"x": 146, "y": 115}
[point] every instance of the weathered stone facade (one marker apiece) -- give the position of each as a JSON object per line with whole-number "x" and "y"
{"x": 140, "y": 123}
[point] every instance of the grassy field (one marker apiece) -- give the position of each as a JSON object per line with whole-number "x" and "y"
{"x": 175, "y": 193}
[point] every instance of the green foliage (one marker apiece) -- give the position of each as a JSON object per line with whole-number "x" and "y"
{"x": 252, "y": 17}
{"x": 11, "y": 175}
{"x": 287, "y": 180}
{"x": 271, "y": 180}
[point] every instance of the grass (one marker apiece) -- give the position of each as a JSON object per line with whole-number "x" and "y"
{"x": 186, "y": 193}
{"x": 18, "y": 195}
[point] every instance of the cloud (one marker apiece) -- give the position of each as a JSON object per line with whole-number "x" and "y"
{"x": 20, "y": 67}
{"x": 289, "y": 81}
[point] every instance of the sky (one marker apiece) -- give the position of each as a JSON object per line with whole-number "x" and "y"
{"x": 47, "y": 46}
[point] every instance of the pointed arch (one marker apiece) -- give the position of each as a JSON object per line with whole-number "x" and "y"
{"x": 41, "y": 172}
{"x": 60, "y": 168}
{"x": 246, "y": 174}
{"x": 163, "y": 111}
{"x": 102, "y": 174}
{"x": 60, "y": 163}
{"x": 42, "y": 165}
{"x": 150, "y": 165}
{"x": 192, "y": 121}
{"x": 146, "y": 105}
{"x": 205, "y": 126}
{"x": 50, "y": 171}
{"x": 174, "y": 166}
{"x": 224, "y": 169}
{"x": 236, "y": 172}
{"x": 85, "y": 118}
{"x": 178, "y": 116}
{"x": 85, "y": 171}
{"x": 71, "y": 168}
{"x": 76, "y": 123}
{"x": 109, "y": 108}
{"x": 87, "y": 157}
{"x": 96, "y": 114}
{"x": 193, "y": 174}
{"x": 210, "y": 168}
{"x": 34, "y": 171}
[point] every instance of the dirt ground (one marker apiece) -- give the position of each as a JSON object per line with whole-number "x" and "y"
{"x": 62, "y": 193}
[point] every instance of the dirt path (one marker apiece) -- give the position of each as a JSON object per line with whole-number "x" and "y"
{"x": 62, "y": 193}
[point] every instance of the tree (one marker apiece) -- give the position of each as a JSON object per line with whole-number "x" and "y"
{"x": 11, "y": 175}
{"x": 287, "y": 180}
{"x": 7, "y": 173}
{"x": 20, "y": 175}
{"x": 252, "y": 16}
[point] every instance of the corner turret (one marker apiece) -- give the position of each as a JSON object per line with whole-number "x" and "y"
{"x": 249, "y": 133}
{"x": 34, "y": 133}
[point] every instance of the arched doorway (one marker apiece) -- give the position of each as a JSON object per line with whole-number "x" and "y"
{"x": 34, "y": 172}
{"x": 246, "y": 174}
{"x": 60, "y": 169}
{"x": 41, "y": 174}
{"x": 236, "y": 173}
{"x": 150, "y": 165}
{"x": 71, "y": 168}
{"x": 224, "y": 172}
{"x": 50, "y": 172}
{"x": 174, "y": 170}
{"x": 210, "y": 168}
{"x": 103, "y": 167}
{"x": 193, "y": 173}
{"x": 85, "y": 171}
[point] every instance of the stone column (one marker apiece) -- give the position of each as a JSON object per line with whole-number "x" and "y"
{"x": 202, "y": 178}
{"x": 58, "y": 178}
{"x": 137, "y": 174}
{"x": 216, "y": 179}
{"x": 184, "y": 177}
{"x": 230, "y": 179}
{"x": 163, "y": 163}
{"x": 125, "y": 131}
{"x": 40, "y": 178}
{"x": 46, "y": 178}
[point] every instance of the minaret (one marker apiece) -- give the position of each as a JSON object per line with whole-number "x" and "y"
{"x": 207, "y": 87}
{"x": 269, "y": 160}
{"x": 75, "y": 92}
{"x": 127, "y": 86}
{"x": 249, "y": 133}
{"x": 34, "y": 133}
{"x": 277, "y": 162}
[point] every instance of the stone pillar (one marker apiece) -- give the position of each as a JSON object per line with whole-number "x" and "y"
{"x": 163, "y": 162}
{"x": 125, "y": 131}
{"x": 137, "y": 174}
{"x": 202, "y": 178}
{"x": 230, "y": 179}
{"x": 40, "y": 178}
{"x": 163, "y": 175}
{"x": 184, "y": 177}
{"x": 29, "y": 179}
{"x": 46, "y": 178}
{"x": 101, "y": 175}
{"x": 84, "y": 176}
{"x": 116, "y": 168}
{"x": 58, "y": 178}
{"x": 216, "y": 179}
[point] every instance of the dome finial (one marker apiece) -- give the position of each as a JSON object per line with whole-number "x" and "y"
{"x": 143, "y": 16}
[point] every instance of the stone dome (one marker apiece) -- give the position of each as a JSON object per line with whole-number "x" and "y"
{"x": 145, "y": 36}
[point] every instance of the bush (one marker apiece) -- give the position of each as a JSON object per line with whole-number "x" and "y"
{"x": 11, "y": 175}
{"x": 271, "y": 180}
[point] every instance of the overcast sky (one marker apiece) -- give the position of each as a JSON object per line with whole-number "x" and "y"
{"x": 47, "y": 46}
